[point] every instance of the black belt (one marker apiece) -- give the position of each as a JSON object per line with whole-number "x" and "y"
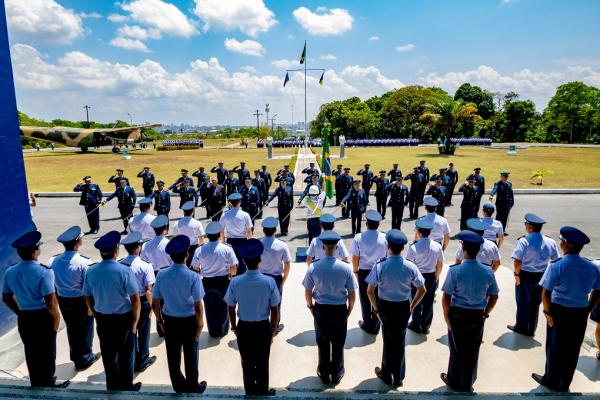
{"x": 212, "y": 279}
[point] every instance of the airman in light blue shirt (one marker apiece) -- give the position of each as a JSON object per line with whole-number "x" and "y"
{"x": 69, "y": 273}
{"x": 29, "y": 282}
{"x": 180, "y": 288}
{"x": 394, "y": 277}
{"x": 254, "y": 294}
{"x": 214, "y": 259}
{"x": 330, "y": 280}
{"x": 470, "y": 283}
{"x": 111, "y": 284}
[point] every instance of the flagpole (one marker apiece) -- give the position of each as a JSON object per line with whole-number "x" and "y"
{"x": 305, "y": 113}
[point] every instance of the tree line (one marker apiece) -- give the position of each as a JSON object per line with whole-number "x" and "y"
{"x": 428, "y": 113}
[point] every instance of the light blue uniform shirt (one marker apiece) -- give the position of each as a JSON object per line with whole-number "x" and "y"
{"x": 180, "y": 288}
{"x": 425, "y": 253}
{"x": 143, "y": 272}
{"x": 315, "y": 249}
{"x": 29, "y": 282}
{"x": 111, "y": 284}
{"x": 488, "y": 253}
{"x": 69, "y": 273}
{"x": 214, "y": 259}
{"x": 369, "y": 246}
{"x": 535, "y": 252}
{"x": 470, "y": 283}
{"x": 394, "y": 277}
{"x": 493, "y": 228}
{"x": 571, "y": 279}
{"x": 330, "y": 280}
{"x": 254, "y": 293}
{"x": 275, "y": 253}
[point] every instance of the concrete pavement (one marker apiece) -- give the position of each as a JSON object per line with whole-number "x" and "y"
{"x": 506, "y": 359}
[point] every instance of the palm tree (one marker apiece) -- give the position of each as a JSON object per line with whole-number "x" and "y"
{"x": 447, "y": 114}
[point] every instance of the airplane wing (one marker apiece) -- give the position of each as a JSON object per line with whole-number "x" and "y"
{"x": 73, "y": 136}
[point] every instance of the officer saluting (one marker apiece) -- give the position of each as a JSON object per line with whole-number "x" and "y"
{"x": 428, "y": 256}
{"x": 367, "y": 180}
{"x": 399, "y": 196}
{"x": 180, "y": 181}
{"x": 112, "y": 292}
{"x": 381, "y": 193}
{"x": 251, "y": 202}
{"x": 217, "y": 263}
{"x": 242, "y": 171}
{"x": 144, "y": 276}
{"x": 162, "y": 199}
{"x": 531, "y": 256}
{"x": 275, "y": 259}
{"x": 142, "y": 222}
{"x": 181, "y": 291}
{"x": 567, "y": 284}
{"x": 257, "y": 300}
{"x": 366, "y": 249}
{"x": 187, "y": 192}
{"x": 221, "y": 172}
{"x": 330, "y": 295}
{"x": 236, "y": 226}
{"x": 147, "y": 180}
{"x": 480, "y": 184}
{"x": 126, "y": 197}
{"x": 417, "y": 183}
{"x": 356, "y": 201}
{"x": 28, "y": 290}
{"x": 116, "y": 178}
{"x": 91, "y": 198}
{"x": 315, "y": 249}
{"x": 470, "y": 294}
{"x": 232, "y": 184}
{"x": 285, "y": 203}
{"x": 69, "y": 273}
{"x": 390, "y": 293}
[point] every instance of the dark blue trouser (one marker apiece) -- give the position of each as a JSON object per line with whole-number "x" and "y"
{"x": 142, "y": 348}
{"x": 254, "y": 342}
{"x": 93, "y": 217}
{"x": 148, "y": 191}
{"x": 464, "y": 341}
{"x": 356, "y": 217}
{"x": 36, "y": 329}
{"x": 370, "y": 321}
{"x": 397, "y": 214}
{"x": 80, "y": 329}
{"x": 284, "y": 222}
{"x": 313, "y": 226}
{"x": 217, "y": 317}
{"x": 117, "y": 345}
{"x": 529, "y": 297}
{"x": 413, "y": 205}
{"x": 422, "y": 315}
{"x": 236, "y": 243}
{"x": 180, "y": 332}
{"x": 395, "y": 320}
{"x": 381, "y": 201}
{"x": 563, "y": 342}
{"x": 279, "y": 283}
{"x": 331, "y": 324}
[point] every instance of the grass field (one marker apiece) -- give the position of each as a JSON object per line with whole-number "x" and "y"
{"x": 571, "y": 167}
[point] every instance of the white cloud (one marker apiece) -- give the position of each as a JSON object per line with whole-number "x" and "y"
{"x": 537, "y": 86}
{"x": 117, "y": 18}
{"x": 247, "y": 47}
{"x": 153, "y": 93}
{"x": 335, "y": 21}
{"x": 42, "y": 21}
{"x": 92, "y": 15}
{"x": 129, "y": 44}
{"x": 251, "y": 17}
{"x": 137, "y": 32}
{"x": 291, "y": 37}
{"x": 373, "y": 38}
{"x": 157, "y": 14}
{"x": 285, "y": 64}
{"x": 328, "y": 57}
{"x": 248, "y": 68}
{"x": 404, "y": 48}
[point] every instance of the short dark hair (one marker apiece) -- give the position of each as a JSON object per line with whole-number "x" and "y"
{"x": 159, "y": 231}
{"x": 327, "y": 226}
{"x": 144, "y": 207}
{"x": 252, "y": 263}
{"x": 213, "y": 237}
{"x": 269, "y": 231}
{"x": 471, "y": 248}
{"x": 395, "y": 248}
{"x": 188, "y": 213}
{"x": 108, "y": 254}
{"x": 536, "y": 227}
{"x": 424, "y": 232}
{"x": 131, "y": 247}
{"x": 488, "y": 211}
{"x": 26, "y": 253}
{"x": 372, "y": 224}
{"x": 235, "y": 203}
{"x": 430, "y": 208}
{"x": 70, "y": 246}
{"x": 178, "y": 258}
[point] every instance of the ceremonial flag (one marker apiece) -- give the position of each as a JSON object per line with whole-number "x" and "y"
{"x": 303, "y": 56}
{"x": 286, "y": 80}
{"x": 326, "y": 164}
{"x": 321, "y": 80}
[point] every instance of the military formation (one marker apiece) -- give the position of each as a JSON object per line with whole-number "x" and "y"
{"x": 189, "y": 274}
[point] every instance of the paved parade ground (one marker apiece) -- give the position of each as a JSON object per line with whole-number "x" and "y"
{"x": 506, "y": 359}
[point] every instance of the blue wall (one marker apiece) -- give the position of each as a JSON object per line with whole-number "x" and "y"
{"x": 15, "y": 216}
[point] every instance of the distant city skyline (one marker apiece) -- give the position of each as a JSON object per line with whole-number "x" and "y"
{"x": 214, "y": 62}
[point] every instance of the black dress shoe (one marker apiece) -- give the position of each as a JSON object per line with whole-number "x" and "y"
{"x": 61, "y": 385}
{"x": 201, "y": 387}
{"x": 89, "y": 364}
{"x": 136, "y": 387}
{"x": 397, "y": 383}
{"x": 386, "y": 379}
{"x": 338, "y": 379}
{"x": 324, "y": 378}
{"x": 271, "y": 392}
{"x": 445, "y": 379}
{"x": 280, "y": 328}
{"x": 151, "y": 360}
{"x": 538, "y": 378}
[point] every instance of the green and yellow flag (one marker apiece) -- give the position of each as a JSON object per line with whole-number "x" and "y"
{"x": 303, "y": 56}
{"x": 326, "y": 162}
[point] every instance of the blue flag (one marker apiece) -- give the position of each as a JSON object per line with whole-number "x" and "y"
{"x": 287, "y": 78}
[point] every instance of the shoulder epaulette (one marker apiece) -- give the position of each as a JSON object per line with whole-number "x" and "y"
{"x": 45, "y": 266}
{"x": 381, "y": 260}
{"x": 92, "y": 264}
{"x": 86, "y": 257}
{"x": 56, "y": 255}
{"x": 454, "y": 265}
{"x": 553, "y": 261}
{"x": 522, "y": 237}
{"x": 124, "y": 263}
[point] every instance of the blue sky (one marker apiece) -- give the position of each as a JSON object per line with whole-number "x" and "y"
{"x": 214, "y": 61}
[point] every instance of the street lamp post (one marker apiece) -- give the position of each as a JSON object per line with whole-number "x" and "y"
{"x": 87, "y": 115}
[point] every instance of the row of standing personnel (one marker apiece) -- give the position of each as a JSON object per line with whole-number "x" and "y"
{"x": 391, "y": 288}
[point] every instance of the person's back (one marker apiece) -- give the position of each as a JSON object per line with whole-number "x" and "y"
{"x": 572, "y": 277}
{"x": 177, "y": 284}
{"x": 107, "y": 282}
{"x": 331, "y": 275}
{"x": 470, "y": 283}
{"x": 245, "y": 288}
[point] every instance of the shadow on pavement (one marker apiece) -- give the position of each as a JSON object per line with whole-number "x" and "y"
{"x": 413, "y": 339}
{"x": 514, "y": 341}
{"x": 155, "y": 340}
{"x": 589, "y": 366}
{"x": 206, "y": 341}
{"x": 443, "y": 340}
{"x": 354, "y": 338}
{"x": 303, "y": 339}
{"x": 99, "y": 377}
{"x": 373, "y": 385}
{"x": 233, "y": 344}
{"x": 65, "y": 371}
{"x": 308, "y": 384}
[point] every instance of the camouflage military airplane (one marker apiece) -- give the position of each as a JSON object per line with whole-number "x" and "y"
{"x": 75, "y": 137}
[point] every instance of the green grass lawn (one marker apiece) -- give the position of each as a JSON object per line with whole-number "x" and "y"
{"x": 572, "y": 167}
{"x": 60, "y": 171}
